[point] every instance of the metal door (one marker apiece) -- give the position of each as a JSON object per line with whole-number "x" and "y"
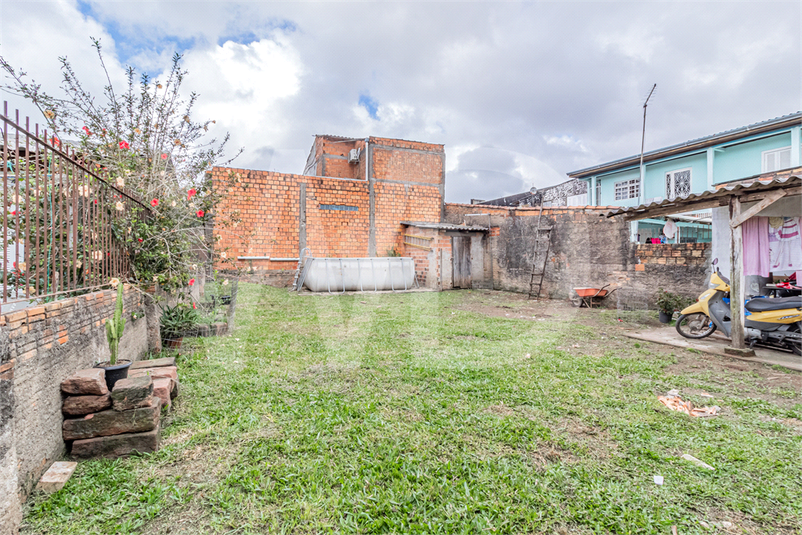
{"x": 461, "y": 261}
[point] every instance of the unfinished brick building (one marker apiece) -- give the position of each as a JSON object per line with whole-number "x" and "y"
{"x": 349, "y": 202}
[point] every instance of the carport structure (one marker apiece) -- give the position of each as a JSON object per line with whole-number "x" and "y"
{"x": 745, "y": 199}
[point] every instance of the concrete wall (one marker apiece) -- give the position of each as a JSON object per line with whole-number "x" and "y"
{"x": 39, "y": 347}
{"x": 587, "y": 249}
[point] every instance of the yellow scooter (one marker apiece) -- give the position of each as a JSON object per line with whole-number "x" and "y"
{"x": 769, "y": 321}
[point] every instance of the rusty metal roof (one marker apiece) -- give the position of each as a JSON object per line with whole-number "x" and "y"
{"x": 443, "y": 226}
{"x": 708, "y": 197}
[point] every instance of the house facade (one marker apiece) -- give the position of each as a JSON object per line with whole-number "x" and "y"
{"x": 693, "y": 167}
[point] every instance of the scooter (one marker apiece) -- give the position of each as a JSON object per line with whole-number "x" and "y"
{"x": 769, "y": 321}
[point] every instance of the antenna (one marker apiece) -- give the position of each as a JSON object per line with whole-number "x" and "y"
{"x": 643, "y": 141}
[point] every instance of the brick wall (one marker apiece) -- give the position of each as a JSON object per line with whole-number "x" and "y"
{"x": 276, "y": 214}
{"x": 39, "y": 347}
{"x": 587, "y": 249}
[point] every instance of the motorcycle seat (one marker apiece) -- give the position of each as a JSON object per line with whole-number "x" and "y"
{"x": 766, "y": 304}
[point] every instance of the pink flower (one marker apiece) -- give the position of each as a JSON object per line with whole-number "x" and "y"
{"x": 140, "y": 240}
{"x": 85, "y": 129}
{"x": 191, "y": 282}
{"x": 124, "y": 145}
{"x": 199, "y": 213}
{"x": 164, "y": 156}
{"x": 154, "y": 203}
{"x": 14, "y": 212}
{"x": 194, "y": 305}
{"x": 191, "y": 193}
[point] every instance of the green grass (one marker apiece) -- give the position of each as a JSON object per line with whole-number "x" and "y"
{"x": 406, "y": 414}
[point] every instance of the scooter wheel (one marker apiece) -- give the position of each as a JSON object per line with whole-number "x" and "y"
{"x": 696, "y": 325}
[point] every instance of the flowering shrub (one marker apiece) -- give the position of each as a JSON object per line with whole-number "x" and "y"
{"x": 144, "y": 140}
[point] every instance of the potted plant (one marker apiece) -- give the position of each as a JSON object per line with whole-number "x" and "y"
{"x": 176, "y": 321}
{"x": 114, "y": 332}
{"x": 667, "y": 303}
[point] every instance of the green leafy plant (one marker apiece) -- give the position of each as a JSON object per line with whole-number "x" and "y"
{"x": 177, "y": 320}
{"x": 143, "y": 139}
{"x": 668, "y": 302}
{"x": 115, "y": 326}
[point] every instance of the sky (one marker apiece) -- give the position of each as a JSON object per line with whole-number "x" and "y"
{"x": 520, "y": 93}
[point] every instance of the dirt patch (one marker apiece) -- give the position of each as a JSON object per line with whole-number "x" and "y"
{"x": 500, "y": 410}
{"x": 739, "y": 379}
{"x": 591, "y": 441}
{"x": 718, "y": 521}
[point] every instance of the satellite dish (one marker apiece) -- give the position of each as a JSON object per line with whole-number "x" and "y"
{"x": 533, "y": 190}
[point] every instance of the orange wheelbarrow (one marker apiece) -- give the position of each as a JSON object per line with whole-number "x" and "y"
{"x": 590, "y": 297}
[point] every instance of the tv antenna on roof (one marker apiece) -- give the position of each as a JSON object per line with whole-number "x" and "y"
{"x": 643, "y": 140}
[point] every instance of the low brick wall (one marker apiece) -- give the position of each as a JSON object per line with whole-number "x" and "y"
{"x": 39, "y": 347}
{"x": 670, "y": 254}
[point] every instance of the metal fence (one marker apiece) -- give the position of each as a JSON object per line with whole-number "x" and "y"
{"x": 63, "y": 224}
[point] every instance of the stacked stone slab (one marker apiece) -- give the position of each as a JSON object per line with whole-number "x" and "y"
{"x": 100, "y": 423}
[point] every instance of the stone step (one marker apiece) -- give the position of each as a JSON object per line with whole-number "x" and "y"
{"x": 86, "y": 382}
{"x": 132, "y": 393}
{"x": 163, "y": 388}
{"x": 80, "y": 405}
{"x": 153, "y": 363}
{"x": 111, "y": 422}
{"x": 155, "y": 373}
{"x": 117, "y": 445}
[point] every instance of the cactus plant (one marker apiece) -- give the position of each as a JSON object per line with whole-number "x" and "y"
{"x": 115, "y": 326}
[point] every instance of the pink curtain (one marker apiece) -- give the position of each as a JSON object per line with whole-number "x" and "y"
{"x": 757, "y": 258}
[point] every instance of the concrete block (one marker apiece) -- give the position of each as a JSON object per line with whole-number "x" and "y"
{"x": 117, "y": 446}
{"x": 111, "y": 422}
{"x": 86, "y": 382}
{"x": 56, "y": 476}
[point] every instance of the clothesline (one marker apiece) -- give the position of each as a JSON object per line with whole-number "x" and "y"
{"x": 772, "y": 244}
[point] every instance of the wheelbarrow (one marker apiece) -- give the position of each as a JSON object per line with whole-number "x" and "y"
{"x": 590, "y": 297}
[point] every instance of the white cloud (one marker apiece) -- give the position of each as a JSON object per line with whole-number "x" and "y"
{"x": 243, "y": 87}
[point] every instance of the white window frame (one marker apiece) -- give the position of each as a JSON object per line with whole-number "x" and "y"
{"x": 776, "y": 154}
{"x": 672, "y": 194}
{"x": 630, "y": 188}
{"x": 598, "y": 193}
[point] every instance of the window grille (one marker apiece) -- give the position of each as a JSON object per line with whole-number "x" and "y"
{"x": 628, "y": 189}
{"x": 678, "y": 183}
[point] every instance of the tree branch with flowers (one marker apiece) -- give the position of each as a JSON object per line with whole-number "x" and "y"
{"x": 145, "y": 139}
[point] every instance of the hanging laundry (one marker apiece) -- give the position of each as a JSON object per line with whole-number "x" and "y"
{"x": 757, "y": 256}
{"x": 785, "y": 245}
{"x": 670, "y": 229}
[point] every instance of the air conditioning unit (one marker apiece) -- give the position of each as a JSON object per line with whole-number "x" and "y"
{"x": 353, "y": 156}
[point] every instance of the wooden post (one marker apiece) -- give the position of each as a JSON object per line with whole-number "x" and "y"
{"x": 737, "y": 277}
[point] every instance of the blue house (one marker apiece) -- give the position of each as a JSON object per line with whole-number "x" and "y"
{"x": 693, "y": 167}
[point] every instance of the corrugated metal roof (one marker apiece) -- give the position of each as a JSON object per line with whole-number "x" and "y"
{"x": 443, "y": 226}
{"x": 686, "y": 203}
{"x": 697, "y": 143}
